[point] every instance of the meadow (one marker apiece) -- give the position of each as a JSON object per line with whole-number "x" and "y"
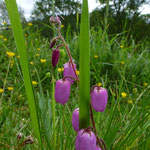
{"x": 117, "y": 63}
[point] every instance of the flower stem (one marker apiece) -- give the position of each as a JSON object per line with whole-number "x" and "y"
{"x": 68, "y": 53}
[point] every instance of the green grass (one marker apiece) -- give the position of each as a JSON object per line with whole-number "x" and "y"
{"x": 122, "y": 125}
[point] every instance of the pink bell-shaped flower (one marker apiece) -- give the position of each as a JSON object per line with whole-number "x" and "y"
{"x": 75, "y": 119}
{"x": 99, "y": 98}
{"x": 85, "y": 140}
{"x": 62, "y": 91}
{"x": 68, "y": 71}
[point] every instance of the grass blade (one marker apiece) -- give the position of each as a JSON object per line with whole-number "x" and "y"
{"x": 84, "y": 67}
{"x": 20, "y": 43}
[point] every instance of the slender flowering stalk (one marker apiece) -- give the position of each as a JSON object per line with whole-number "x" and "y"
{"x": 68, "y": 53}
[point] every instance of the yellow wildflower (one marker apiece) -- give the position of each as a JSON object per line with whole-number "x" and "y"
{"x": 77, "y": 72}
{"x": 130, "y": 102}
{"x": 99, "y": 84}
{"x": 1, "y": 90}
{"x": 31, "y": 63}
{"x": 38, "y": 49}
{"x": 9, "y": 27}
{"x": 121, "y": 46}
{"x": 1, "y": 36}
{"x": 18, "y": 57}
{"x": 43, "y": 60}
{"x": 123, "y": 94}
{"x": 37, "y": 55}
{"x": 5, "y": 39}
{"x": 10, "y": 54}
{"x": 59, "y": 70}
{"x": 145, "y": 84}
{"x": 122, "y": 62}
{"x": 30, "y": 24}
{"x": 25, "y": 34}
{"x": 34, "y": 82}
{"x": 10, "y": 88}
{"x": 62, "y": 26}
{"x": 4, "y": 22}
{"x": 95, "y": 56}
{"x": 62, "y": 69}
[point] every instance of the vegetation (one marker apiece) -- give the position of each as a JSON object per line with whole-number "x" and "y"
{"x": 118, "y": 62}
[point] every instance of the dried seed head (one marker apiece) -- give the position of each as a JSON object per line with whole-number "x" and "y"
{"x": 55, "y": 57}
{"x": 19, "y": 136}
{"x": 29, "y": 140}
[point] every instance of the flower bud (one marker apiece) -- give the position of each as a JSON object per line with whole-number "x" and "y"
{"x": 62, "y": 91}
{"x": 52, "y": 19}
{"x": 85, "y": 140}
{"x": 75, "y": 119}
{"x": 55, "y": 57}
{"x": 99, "y": 98}
{"x": 68, "y": 71}
{"x": 52, "y": 43}
{"x": 57, "y": 20}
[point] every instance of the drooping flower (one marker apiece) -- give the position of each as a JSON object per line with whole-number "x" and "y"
{"x": 62, "y": 91}
{"x": 55, "y": 57}
{"x": 75, "y": 119}
{"x": 99, "y": 98}
{"x": 85, "y": 140}
{"x": 68, "y": 71}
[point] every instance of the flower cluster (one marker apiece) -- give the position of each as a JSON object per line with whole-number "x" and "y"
{"x": 86, "y": 138}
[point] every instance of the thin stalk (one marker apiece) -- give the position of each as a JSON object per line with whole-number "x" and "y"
{"x": 53, "y": 109}
{"x": 67, "y": 48}
{"x": 5, "y": 81}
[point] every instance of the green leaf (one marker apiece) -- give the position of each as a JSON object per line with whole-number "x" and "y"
{"x": 20, "y": 43}
{"x": 84, "y": 67}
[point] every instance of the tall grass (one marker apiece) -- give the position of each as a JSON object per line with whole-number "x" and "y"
{"x": 20, "y": 43}
{"x": 84, "y": 68}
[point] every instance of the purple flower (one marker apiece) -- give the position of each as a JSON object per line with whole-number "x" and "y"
{"x": 75, "y": 119}
{"x": 52, "y": 43}
{"x": 68, "y": 71}
{"x": 62, "y": 91}
{"x": 55, "y": 57}
{"x": 85, "y": 140}
{"x": 98, "y": 148}
{"x": 52, "y": 19}
{"x": 99, "y": 98}
{"x": 57, "y": 20}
